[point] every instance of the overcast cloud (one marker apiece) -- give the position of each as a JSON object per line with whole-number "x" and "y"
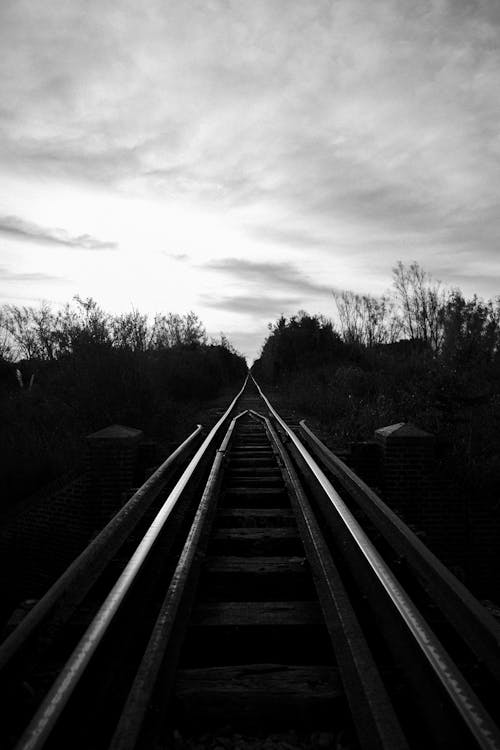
{"x": 319, "y": 141}
{"x": 265, "y": 275}
{"x": 18, "y": 228}
{"x": 8, "y": 275}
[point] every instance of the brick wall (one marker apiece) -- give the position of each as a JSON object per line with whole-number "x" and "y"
{"x": 38, "y": 543}
{"x": 50, "y": 529}
{"x": 463, "y": 531}
{"x": 112, "y": 460}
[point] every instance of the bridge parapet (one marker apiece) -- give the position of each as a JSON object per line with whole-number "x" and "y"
{"x": 414, "y": 487}
{"x": 112, "y": 459}
{"x": 50, "y": 528}
{"x": 407, "y": 466}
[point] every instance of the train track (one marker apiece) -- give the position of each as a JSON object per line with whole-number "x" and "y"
{"x": 253, "y": 581}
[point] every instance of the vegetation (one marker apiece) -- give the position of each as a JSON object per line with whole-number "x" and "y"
{"x": 421, "y": 353}
{"x": 65, "y": 374}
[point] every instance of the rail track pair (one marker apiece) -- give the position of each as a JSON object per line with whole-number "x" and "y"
{"x": 253, "y": 581}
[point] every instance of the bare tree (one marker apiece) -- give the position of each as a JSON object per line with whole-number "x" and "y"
{"x": 28, "y": 332}
{"x": 421, "y": 302}
{"x": 366, "y": 319}
{"x": 18, "y": 324}
{"x": 350, "y": 316}
{"x": 177, "y": 330}
{"x": 84, "y": 325}
{"x": 6, "y": 351}
{"x": 45, "y": 324}
{"x": 193, "y": 331}
{"x": 131, "y": 331}
{"x": 168, "y": 330}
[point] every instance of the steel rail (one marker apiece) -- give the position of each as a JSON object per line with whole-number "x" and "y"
{"x": 468, "y": 705}
{"x": 133, "y": 713}
{"x": 70, "y": 588}
{"x": 59, "y": 694}
{"x": 373, "y": 713}
{"x": 478, "y": 627}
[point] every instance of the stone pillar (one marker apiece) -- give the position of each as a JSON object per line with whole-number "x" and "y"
{"x": 112, "y": 461}
{"x": 407, "y": 469}
{"x": 365, "y": 461}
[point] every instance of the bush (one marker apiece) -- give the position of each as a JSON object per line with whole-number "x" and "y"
{"x": 93, "y": 377}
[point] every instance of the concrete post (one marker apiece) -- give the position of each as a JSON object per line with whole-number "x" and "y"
{"x": 112, "y": 461}
{"x": 407, "y": 467}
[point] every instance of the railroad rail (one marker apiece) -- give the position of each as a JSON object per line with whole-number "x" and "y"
{"x": 253, "y": 580}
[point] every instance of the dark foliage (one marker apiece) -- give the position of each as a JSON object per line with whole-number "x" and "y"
{"x": 98, "y": 370}
{"x": 444, "y": 375}
{"x": 304, "y": 341}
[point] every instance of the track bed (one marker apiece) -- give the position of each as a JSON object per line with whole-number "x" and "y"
{"x": 255, "y": 587}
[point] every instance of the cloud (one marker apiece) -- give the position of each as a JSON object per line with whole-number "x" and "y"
{"x": 21, "y": 229}
{"x": 325, "y": 109}
{"x": 357, "y": 133}
{"x": 289, "y": 237}
{"x": 10, "y": 276}
{"x": 275, "y": 277}
{"x": 262, "y": 305}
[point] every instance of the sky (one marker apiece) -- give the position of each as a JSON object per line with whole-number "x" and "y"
{"x": 243, "y": 159}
